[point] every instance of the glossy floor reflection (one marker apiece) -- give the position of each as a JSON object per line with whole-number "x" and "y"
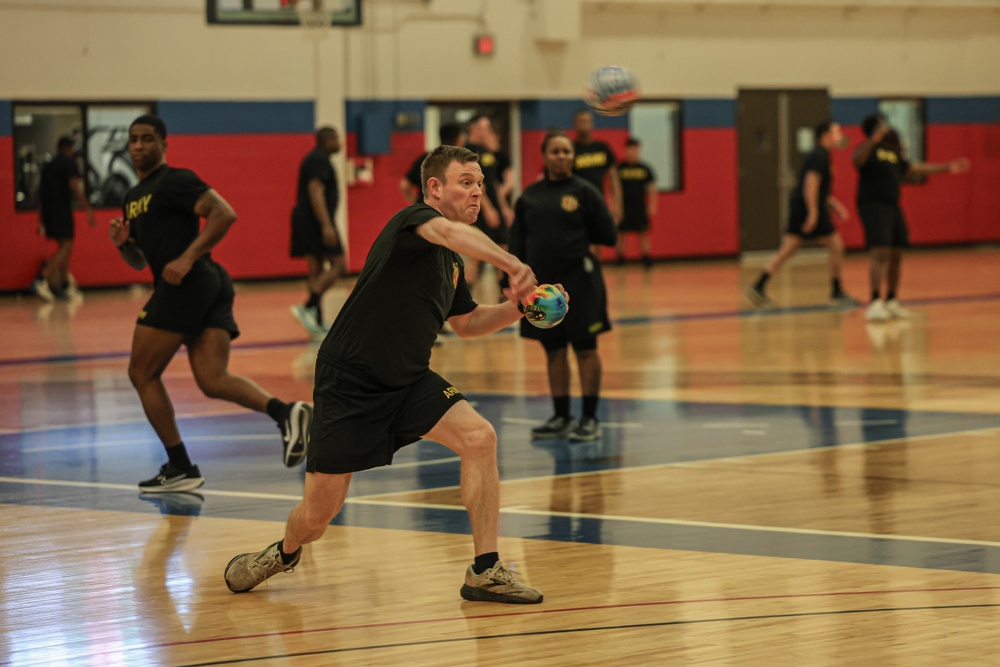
{"x": 767, "y": 485}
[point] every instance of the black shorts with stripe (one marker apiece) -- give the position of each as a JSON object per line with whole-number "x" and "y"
{"x": 358, "y": 425}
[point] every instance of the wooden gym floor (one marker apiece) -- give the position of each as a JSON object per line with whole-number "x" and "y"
{"x": 790, "y": 487}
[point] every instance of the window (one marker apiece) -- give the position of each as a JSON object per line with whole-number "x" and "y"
{"x": 906, "y": 116}
{"x": 658, "y": 126}
{"x": 101, "y": 135}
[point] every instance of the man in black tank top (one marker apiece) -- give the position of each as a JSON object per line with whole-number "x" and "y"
{"x": 191, "y": 305}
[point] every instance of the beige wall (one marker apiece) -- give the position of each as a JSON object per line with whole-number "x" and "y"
{"x": 163, "y": 49}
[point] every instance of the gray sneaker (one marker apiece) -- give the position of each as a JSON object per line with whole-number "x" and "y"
{"x": 554, "y": 428}
{"x": 589, "y": 429}
{"x": 247, "y": 570}
{"x": 757, "y": 297}
{"x": 497, "y": 584}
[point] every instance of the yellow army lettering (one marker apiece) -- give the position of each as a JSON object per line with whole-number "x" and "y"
{"x": 450, "y": 391}
{"x": 632, "y": 173}
{"x": 886, "y": 156}
{"x": 136, "y": 208}
{"x": 588, "y": 160}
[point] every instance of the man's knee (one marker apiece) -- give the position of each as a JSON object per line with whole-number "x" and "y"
{"x": 480, "y": 438}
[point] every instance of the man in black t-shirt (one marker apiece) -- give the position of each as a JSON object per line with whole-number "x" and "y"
{"x": 639, "y": 199}
{"x": 495, "y": 214}
{"x": 375, "y": 391}
{"x": 809, "y": 219}
{"x": 60, "y": 184}
{"x": 882, "y": 169}
{"x": 191, "y": 305}
{"x": 595, "y": 162}
{"x": 314, "y": 229}
{"x": 450, "y": 134}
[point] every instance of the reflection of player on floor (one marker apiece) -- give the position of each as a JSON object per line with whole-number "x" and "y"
{"x": 375, "y": 391}
{"x": 882, "y": 168}
{"x": 555, "y": 222}
{"x": 639, "y": 199}
{"x": 60, "y": 184}
{"x": 191, "y": 305}
{"x": 314, "y": 234}
{"x": 809, "y": 217}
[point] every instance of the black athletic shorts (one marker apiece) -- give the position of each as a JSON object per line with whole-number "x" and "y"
{"x": 358, "y": 425}
{"x": 203, "y": 300}
{"x": 824, "y": 227}
{"x": 59, "y": 226}
{"x": 637, "y": 223}
{"x": 307, "y": 237}
{"x": 588, "y": 310}
{"x": 884, "y": 225}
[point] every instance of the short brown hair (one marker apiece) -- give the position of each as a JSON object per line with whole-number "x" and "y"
{"x": 436, "y": 164}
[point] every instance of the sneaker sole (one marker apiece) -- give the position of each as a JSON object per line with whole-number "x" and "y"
{"x": 309, "y": 325}
{"x": 182, "y": 485}
{"x": 300, "y": 431}
{"x": 473, "y": 594}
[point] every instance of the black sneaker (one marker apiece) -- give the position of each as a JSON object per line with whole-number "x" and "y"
{"x": 295, "y": 433}
{"x": 172, "y": 478}
{"x": 556, "y": 427}
{"x": 589, "y": 429}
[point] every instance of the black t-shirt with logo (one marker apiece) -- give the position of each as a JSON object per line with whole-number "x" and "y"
{"x": 817, "y": 161}
{"x": 555, "y": 223}
{"x": 407, "y": 288}
{"x": 54, "y": 194}
{"x": 491, "y": 175}
{"x": 160, "y": 211}
{"x": 635, "y": 178}
{"x": 316, "y": 164}
{"x": 880, "y": 178}
{"x": 592, "y": 162}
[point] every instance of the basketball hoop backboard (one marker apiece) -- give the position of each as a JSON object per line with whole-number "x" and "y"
{"x": 277, "y": 12}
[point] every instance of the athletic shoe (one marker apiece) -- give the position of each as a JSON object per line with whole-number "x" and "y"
{"x": 178, "y": 504}
{"x": 248, "y": 570}
{"x": 877, "y": 312}
{"x": 171, "y": 478}
{"x": 41, "y": 288}
{"x": 555, "y": 427}
{"x": 842, "y": 298}
{"x": 896, "y": 310}
{"x": 497, "y": 584}
{"x": 307, "y": 317}
{"x": 589, "y": 429}
{"x": 295, "y": 433}
{"x": 757, "y": 296}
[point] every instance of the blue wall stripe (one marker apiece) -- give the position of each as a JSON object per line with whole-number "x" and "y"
{"x": 709, "y": 113}
{"x": 355, "y": 112}
{"x": 6, "y": 117}
{"x": 849, "y": 111}
{"x": 962, "y": 110}
{"x": 218, "y": 117}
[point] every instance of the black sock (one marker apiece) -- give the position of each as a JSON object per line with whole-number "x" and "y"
{"x": 312, "y": 301}
{"x": 485, "y": 562}
{"x": 590, "y": 406}
{"x": 178, "y": 455}
{"x": 890, "y": 295}
{"x": 285, "y": 558}
{"x": 837, "y": 289}
{"x": 875, "y": 295}
{"x": 277, "y": 410}
{"x": 762, "y": 281}
{"x": 561, "y": 404}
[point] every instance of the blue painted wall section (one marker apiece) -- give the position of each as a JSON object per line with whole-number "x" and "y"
{"x": 219, "y": 117}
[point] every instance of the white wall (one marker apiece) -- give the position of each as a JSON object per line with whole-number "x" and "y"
{"x": 163, "y": 49}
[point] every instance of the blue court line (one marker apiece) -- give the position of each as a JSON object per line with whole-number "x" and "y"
{"x": 624, "y": 321}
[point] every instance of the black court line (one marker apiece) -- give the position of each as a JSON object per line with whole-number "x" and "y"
{"x": 623, "y": 321}
{"x": 605, "y": 628}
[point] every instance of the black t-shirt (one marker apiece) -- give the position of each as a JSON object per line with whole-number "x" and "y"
{"x": 413, "y": 175}
{"x": 491, "y": 174}
{"x": 817, "y": 161}
{"x": 407, "y": 288}
{"x": 592, "y": 162}
{"x": 160, "y": 211}
{"x": 555, "y": 223}
{"x": 880, "y": 178}
{"x": 635, "y": 181}
{"x": 54, "y": 194}
{"x": 316, "y": 164}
